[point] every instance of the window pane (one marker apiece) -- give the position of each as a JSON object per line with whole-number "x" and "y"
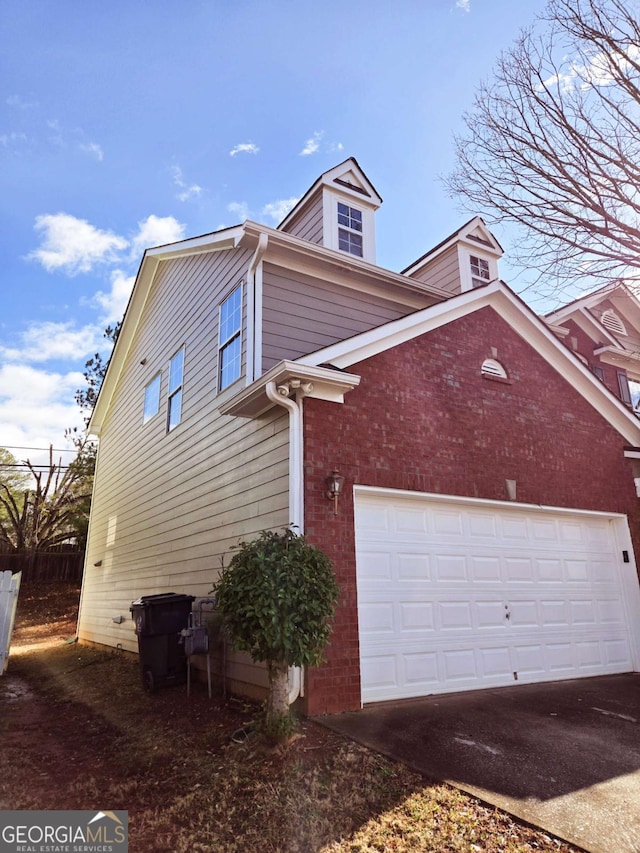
{"x": 175, "y": 374}
{"x": 151, "y": 399}
{"x": 175, "y": 410}
{"x": 479, "y": 267}
{"x": 231, "y": 316}
{"x": 350, "y": 242}
{"x": 356, "y": 219}
{"x": 230, "y": 361}
{"x": 625, "y": 392}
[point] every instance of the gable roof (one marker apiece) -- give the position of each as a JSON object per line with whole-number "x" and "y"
{"x": 347, "y": 177}
{"x": 474, "y": 232}
{"x": 342, "y": 356}
{"x": 247, "y": 235}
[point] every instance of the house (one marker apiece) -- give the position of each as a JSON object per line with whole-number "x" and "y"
{"x": 603, "y": 329}
{"x": 487, "y": 527}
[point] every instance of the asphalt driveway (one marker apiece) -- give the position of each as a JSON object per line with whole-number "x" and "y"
{"x": 564, "y": 756}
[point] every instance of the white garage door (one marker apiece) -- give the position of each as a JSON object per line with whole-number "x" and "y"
{"x": 455, "y": 595}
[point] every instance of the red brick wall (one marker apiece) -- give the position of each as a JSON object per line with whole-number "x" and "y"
{"x": 423, "y": 418}
{"x": 586, "y": 346}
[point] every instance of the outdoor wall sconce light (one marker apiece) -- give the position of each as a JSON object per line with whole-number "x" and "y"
{"x": 334, "y": 489}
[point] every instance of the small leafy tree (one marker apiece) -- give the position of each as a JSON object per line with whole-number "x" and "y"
{"x": 277, "y": 597}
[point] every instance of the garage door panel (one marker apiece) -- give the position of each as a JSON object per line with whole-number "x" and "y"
{"x": 461, "y": 596}
{"x": 416, "y": 616}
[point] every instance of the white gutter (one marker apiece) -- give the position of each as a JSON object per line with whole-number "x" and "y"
{"x": 254, "y": 309}
{"x": 279, "y": 394}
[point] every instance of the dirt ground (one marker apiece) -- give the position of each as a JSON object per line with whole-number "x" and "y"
{"x": 77, "y": 731}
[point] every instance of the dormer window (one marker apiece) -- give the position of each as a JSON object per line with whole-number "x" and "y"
{"x": 479, "y": 271}
{"x": 350, "y": 230}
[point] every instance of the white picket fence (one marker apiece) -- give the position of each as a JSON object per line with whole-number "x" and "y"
{"x": 9, "y": 588}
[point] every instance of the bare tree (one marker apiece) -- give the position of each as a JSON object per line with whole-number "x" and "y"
{"x": 553, "y": 143}
{"x": 46, "y": 514}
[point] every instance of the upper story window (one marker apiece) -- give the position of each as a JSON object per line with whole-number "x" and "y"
{"x": 479, "y": 271}
{"x": 152, "y": 398}
{"x": 613, "y": 323}
{"x": 230, "y": 340}
{"x": 350, "y": 229}
{"x": 623, "y": 385}
{"x": 176, "y": 371}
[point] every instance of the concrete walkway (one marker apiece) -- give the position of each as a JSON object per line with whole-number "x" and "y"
{"x": 564, "y": 756}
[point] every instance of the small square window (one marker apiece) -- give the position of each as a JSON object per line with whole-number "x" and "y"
{"x": 174, "y": 413}
{"x": 230, "y": 339}
{"x": 151, "y": 399}
{"x": 479, "y": 271}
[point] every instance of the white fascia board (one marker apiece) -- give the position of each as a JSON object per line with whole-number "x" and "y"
{"x": 460, "y": 236}
{"x": 584, "y": 319}
{"x": 131, "y": 320}
{"x": 312, "y": 255}
{"x": 367, "y": 344}
{"x": 629, "y": 361}
{"x": 521, "y": 319}
{"x": 228, "y": 238}
{"x": 319, "y": 383}
{"x": 589, "y": 300}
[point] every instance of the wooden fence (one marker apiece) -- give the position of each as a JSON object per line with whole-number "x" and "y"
{"x": 60, "y": 563}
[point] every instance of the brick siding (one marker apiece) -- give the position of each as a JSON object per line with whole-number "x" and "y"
{"x": 424, "y": 419}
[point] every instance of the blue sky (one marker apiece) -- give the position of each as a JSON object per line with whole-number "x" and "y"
{"x": 130, "y": 124}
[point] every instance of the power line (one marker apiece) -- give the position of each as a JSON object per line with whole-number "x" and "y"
{"x": 41, "y": 449}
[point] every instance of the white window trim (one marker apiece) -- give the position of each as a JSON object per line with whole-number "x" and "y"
{"x": 464, "y": 263}
{"x": 179, "y": 389}
{"x": 146, "y": 418}
{"x": 223, "y": 344}
{"x": 330, "y": 225}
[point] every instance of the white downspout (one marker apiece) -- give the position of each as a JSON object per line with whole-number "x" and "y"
{"x": 280, "y": 396}
{"x": 254, "y": 310}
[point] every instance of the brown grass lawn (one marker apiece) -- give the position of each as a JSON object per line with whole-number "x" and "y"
{"x": 77, "y": 731}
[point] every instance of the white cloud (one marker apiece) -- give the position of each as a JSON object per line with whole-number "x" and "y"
{"x": 13, "y": 139}
{"x": 239, "y": 209}
{"x": 465, "y": 5}
{"x": 277, "y": 210}
{"x": 19, "y": 103}
{"x": 73, "y": 245}
{"x": 45, "y": 341}
{"x": 187, "y": 191}
{"x": 244, "y": 148}
{"x": 114, "y": 302}
{"x": 312, "y": 144}
{"x": 156, "y": 231}
{"x": 32, "y": 408}
{"x": 94, "y": 150}
{"x": 595, "y": 73}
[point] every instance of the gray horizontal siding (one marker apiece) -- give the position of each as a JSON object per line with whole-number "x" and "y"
{"x": 443, "y": 272}
{"x": 302, "y": 314}
{"x": 308, "y": 223}
{"x": 168, "y": 507}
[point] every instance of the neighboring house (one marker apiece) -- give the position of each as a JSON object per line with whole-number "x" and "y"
{"x": 488, "y": 521}
{"x": 603, "y": 329}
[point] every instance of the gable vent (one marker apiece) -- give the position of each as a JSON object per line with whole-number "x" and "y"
{"x": 611, "y": 321}
{"x": 491, "y": 367}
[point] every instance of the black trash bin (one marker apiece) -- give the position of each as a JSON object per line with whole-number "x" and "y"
{"x": 159, "y": 619}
